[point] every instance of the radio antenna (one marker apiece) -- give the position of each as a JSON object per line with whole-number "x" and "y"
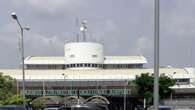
{"x": 83, "y": 29}
{"x": 77, "y": 26}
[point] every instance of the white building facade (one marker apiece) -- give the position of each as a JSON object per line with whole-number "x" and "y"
{"x": 85, "y": 66}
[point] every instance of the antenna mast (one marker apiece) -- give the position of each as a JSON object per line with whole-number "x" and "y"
{"x": 77, "y": 25}
{"x": 83, "y": 29}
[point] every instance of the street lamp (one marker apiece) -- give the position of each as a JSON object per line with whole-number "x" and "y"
{"x": 14, "y": 16}
{"x": 65, "y": 75}
{"x": 43, "y": 84}
{"x": 171, "y": 76}
{"x": 156, "y": 55}
{"x": 125, "y": 93}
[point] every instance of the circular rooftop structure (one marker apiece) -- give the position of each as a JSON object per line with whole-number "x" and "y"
{"x": 84, "y": 55}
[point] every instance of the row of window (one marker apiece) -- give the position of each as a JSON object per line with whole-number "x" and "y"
{"x": 183, "y": 81}
{"x": 73, "y": 56}
{"x": 104, "y": 66}
{"x": 45, "y": 67}
{"x": 83, "y": 65}
{"x": 118, "y": 66}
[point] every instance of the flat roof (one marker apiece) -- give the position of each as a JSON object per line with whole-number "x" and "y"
{"x": 108, "y": 60}
{"x": 99, "y": 74}
{"x": 94, "y": 74}
{"x": 44, "y": 60}
{"x": 125, "y": 60}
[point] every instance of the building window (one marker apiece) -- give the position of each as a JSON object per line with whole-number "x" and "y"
{"x": 183, "y": 81}
{"x": 88, "y": 65}
{"x": 79, "y": 65}
{"x": 72, "y": 56}
{"x": 94, "y": 56}
{"x": 72, "y": 65}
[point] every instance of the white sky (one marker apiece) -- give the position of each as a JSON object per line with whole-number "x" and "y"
{"x": 125, "y": 26}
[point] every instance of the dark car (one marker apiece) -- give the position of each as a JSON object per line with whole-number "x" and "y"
{"x": 12, "y": 107}
{"x": 54, "y": 107}
{"x": 89, "y": 107}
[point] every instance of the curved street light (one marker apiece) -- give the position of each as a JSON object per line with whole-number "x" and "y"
{"x": 14, "y": 16}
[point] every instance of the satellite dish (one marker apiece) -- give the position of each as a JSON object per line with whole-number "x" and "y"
{"x": 84, "y": 21}
{"x": 81, "y": 28}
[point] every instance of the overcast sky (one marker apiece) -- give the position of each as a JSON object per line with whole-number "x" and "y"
{"x": 125, "y": 27}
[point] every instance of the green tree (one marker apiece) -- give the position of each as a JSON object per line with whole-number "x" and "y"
{"x": 14, "y": 99}
{"x": 7, "y": 91}
{"x": 145, "y": 86}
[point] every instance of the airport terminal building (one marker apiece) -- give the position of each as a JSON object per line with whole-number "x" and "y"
{"x": 86, "y": 70}
{"x": 85, "y": 67}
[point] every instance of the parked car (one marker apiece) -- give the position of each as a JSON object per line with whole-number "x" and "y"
{"x": 89, "y": 107}
{"x": 161, "y": 107}
{"x": 51, "y": 108}
{"x": 54, "y": 108}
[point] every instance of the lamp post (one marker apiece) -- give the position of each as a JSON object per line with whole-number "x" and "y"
{"x": 64, "y": 75}
{"x": 171, "y": 76}
{"x": 14, "y": 16}
{"x": 125, "y": 94}
{"x": 156, "y": 55}
{"x": 71, "y": 86}
{"x": 43, "y": 84}
{"x": 97, "y": 87}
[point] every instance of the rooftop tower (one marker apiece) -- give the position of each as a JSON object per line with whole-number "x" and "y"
{"x": 83, "y": 54}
